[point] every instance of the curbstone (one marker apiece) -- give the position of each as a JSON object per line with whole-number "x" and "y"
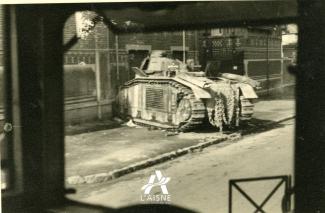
{"x": 75, "y": 180}
{"x": 285, "y": 119}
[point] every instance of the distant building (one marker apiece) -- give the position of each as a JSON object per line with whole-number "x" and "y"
{"x": 290, "y": 52}
{"x": 252, "y": 51}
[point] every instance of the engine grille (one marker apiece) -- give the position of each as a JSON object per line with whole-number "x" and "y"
{"x": 155, "y": 98}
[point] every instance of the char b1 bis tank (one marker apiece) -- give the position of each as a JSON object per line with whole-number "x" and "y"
{"x": 172, "y": 95}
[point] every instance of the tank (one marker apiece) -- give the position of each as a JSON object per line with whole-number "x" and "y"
{"x": 169, "y": 94}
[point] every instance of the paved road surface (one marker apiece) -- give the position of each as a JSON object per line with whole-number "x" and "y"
{"x": 199, "y": 181}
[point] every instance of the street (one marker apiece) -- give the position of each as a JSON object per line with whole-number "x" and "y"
{"x": 199, "y": 181}
{"x": 96, "y": 156}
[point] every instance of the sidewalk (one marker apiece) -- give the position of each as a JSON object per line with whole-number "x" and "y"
{"x": 274, "y": 110}
{"x": 102, "y": 155}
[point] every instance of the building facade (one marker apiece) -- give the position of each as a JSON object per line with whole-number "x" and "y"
{"x": 253, "y": 51}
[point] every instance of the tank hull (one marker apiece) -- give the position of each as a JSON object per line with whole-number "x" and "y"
{"x": 170, "y": 94}
{"x": 174, "y": 103}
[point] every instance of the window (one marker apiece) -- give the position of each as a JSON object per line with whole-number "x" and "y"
{"x": 42, "y": 102}
{"x": 216, "y": 32}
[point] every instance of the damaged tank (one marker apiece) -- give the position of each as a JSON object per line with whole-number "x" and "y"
{"x": 173, "y": 95}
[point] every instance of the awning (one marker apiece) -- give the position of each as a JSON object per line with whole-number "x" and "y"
{"x": 158, "y": 16}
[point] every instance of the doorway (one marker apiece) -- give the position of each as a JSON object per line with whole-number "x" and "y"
{"x": 135, "y": 59}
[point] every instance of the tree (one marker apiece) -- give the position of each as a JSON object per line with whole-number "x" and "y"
{"x": 86, "y": 22}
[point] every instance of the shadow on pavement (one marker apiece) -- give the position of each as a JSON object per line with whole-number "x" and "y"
{"x": 249, "y": 127}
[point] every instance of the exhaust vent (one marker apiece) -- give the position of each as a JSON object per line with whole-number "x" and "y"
{"x": 155, "y": 98}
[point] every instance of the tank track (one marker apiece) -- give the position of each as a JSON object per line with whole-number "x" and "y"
{"x": 198, "y": 108}
{"x": 198, "y": 111}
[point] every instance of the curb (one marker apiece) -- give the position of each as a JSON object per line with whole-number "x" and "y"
{"x": 102, "y": 177}
{"x": 285, "y": 119}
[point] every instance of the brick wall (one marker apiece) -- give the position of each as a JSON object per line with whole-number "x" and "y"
{"x": 105, "y": 38}
{"x": 159, "y": 41}
{"x": 252, "y": 43}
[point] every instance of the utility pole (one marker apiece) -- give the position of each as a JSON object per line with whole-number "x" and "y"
{"x": 267, "y": 65}
{"x": 184, "y": 48}
{"x": 117, "y": 61}
{"x": 109, "y": 74}
{"x": 282, "y": 65}
{"x": 98, "y": 78}
{"x": 196, "y": 47}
